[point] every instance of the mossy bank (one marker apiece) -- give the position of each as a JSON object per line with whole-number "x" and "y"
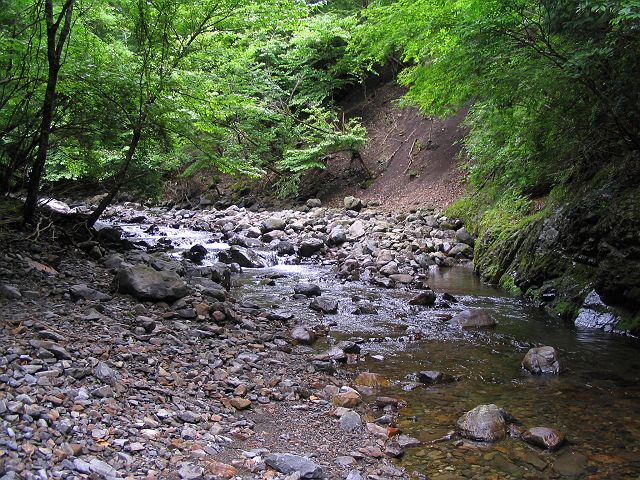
{"x": 576, "y": 252}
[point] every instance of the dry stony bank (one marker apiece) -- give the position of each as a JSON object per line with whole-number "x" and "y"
{"x": 125, "y": 363}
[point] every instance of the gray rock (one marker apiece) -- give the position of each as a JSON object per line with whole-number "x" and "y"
{"x": 350, "y": 421}
{"x": 81, "y": 466}
{"x": 310, "y": 247}
{"x": 544, "y": 437}
{"x": 314, "y": 203}
{"x": 596, "y": 314}
{"x": 406, "y": 441}
{"x": 541, "y": 360}
{"x": 83, "y": 291}
{"x": 288, "y": 463}
{"x": 473, "y": 319}
{"x": 353, "y": 203}
{"x": 196, "y": 254}
{"x": 10, "y": 291}
{"x": 337, "y": 236}
{"x": 302, "y": 335}
{"x": 101, "y": 468}
{"x": 324, "y": 305}
{"x": 56, "y": 350}
{"x": 105, "y": 373}
{"x": 485, "y": 423}
{"x": 188, "y": 471}
{"x": 432, "y": 377}
{"x": 146, "y": 283}
{"x": 354, "y": 475}
{"x": 425, "y": 298}
{"x": 389, "y": 269}
{"x": 244, "y": 257}
{"x": 307, "y": 289}
{"x": 463, "y": 236}
{"x": 273, "y": 223}
{"x": 356, "y": 230}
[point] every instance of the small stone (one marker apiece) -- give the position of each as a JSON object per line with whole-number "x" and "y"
{"x": 103, "y": 392}
{"x": 189, "y": 471}
{"x": 302, "y": 335}
{"x": 240, "y": 403}
{"x": 393, "y": 449}
{"x": 348, "y": 399}
{"x": 220, "y": 470}
{"x": 10, "y": 291}
{"x": 108, "y": 375}
{"x": 101, "y": 468}
{"x": 350, "y": 421}
{"x": 288, "y": 463}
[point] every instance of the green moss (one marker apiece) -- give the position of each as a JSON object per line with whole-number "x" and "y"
{"x": 509, "y": 285}
{"x": 630, "y": 324}
{"x": 565, "y": 309}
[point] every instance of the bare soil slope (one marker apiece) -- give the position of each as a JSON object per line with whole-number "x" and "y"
{"x": 410, "y": 161}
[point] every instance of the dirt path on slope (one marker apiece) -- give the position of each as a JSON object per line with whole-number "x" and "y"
{"x": 412, "y": 158}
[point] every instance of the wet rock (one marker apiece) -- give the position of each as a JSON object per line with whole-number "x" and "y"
{"x": 196, "y": 254}
{"x": 373, "y": 380}
{"x": 285, "y": 247}
{"x": 542, "y": 360}
{"x": 288, "y": 463}
{"x": 393, "y": 449}
{"x": 244, "y": 257}
{"x": 310, "y": 247}
{"x": 425, "y": 298}
{"x": 544, "y": 437}
{"x": 365, "y": 308}
{"x": 570, "y": 465}
{"x": 353, "y": 203}
{"x": 350, "y": 421}
{"x": 473, "y": 319}
{"x": 307, "y": 289}
{"x": 303, "y": 336}
{"x": 405, "y": 441}
{"x": 485, "y": 423}
{"x": 324, "y": 305}
{"x": 348, "y": 346}
{"x": 433, "y": 377}
{"x": 146, "y": 283}
{"x": 596, "y": 314}
{"x": 447, "y": 297}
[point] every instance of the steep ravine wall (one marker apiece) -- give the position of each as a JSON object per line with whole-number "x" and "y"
{"x": 579, "y": 257}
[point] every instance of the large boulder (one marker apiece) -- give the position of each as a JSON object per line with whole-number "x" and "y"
{"x": 485, "y": 423}
{"x": 542, "y": 360}
{"x": 145, "y": 283}
{"x": 473, "y": 319}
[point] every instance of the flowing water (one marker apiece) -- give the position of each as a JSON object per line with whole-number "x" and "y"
{"x": 595, "y": 400}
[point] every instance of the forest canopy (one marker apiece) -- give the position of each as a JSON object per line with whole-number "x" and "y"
{"x": 122, "y": 92}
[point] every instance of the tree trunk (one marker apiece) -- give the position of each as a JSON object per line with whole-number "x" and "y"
{"x": 54, "y": 54}
{"x": 119, "y": 179}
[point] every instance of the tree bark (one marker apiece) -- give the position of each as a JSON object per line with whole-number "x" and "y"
{"x": 55, "y": 47}
{"x": 119, "y": 179}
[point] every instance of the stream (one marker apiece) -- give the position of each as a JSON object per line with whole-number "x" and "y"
{"x": 594, "y": 401}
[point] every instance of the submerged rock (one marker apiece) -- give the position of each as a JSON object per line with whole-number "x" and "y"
{"x": 486, "y": 423}
{"x": 432, "y": 377}
{"x": 542, "y": 360}
{"x": 473, "y": 319}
